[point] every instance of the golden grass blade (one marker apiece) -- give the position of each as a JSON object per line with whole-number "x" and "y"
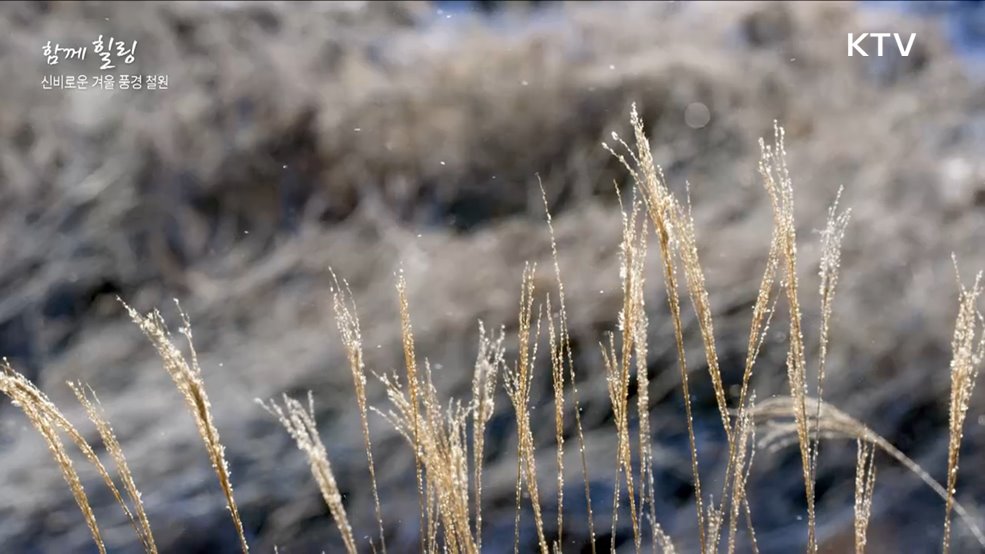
{"x": 447, "y": 464}
{"x": 444, "y": 456}
{"x": 613, "y": 381}
{"x": 632, "y": 256}
{"x": 687, "y": 250}
{"x": 61, "y": 422}
{"x": 300, "y": 424}
{"x": 775, "y": 414}
{"x": 641, "y": 324}
{"x": 763, "y": 311}
{"x": 16, "y": 384}
{"x": 410, "y": 362}
{"x": 749, "y": 526}
{"x": 745, "y": 448}
{"x": 518, "y": 494}
{"x": 637, "y": 348}
{"x": 187, "y": 377}
{"x": 565, "y": 343}
{"x": 347, "y": 320}
{"x": 618, "y": 391}
{"x": 659, "y": 204}
{"x": 517, "y": 383}
{"x": 557, "y": 383}
{"x": 865, "y": 483}
{"x": 831, "y": 238}
{"x": 968, "y": 345}
{"x": 675, "y": 230}
{"x": 490, "y": 361}
{"x": 60, "y": 454}
{"x": 39, "y": 411}
{"x": 433, "y": 521}
{"x": 95, "y": 412}
{"x": 762, "y": 314}
{"x": 776, "y": 179}
{"x": 715, "y": 519}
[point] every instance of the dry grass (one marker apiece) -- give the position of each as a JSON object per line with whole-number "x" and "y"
{"x": 776, "y": 177}
{"x": 348, "y": 322}
{"x": 774, "y": 414}
{"x": 968, "y": 346}
{"x": 491, "y": 359}
{"x": 95, "y": 412}
{"x": 300, "y": 424}
{"x": 410, "y": 359}
{"x": 557, "y": 373}
{"x": 444, "y": 459}
{"x": 741, "y": 465}
{"x": 557, "y": 385}
{"x": 44, "y": 416}
{"x": 661, "y": 207}
{"x": 865, "y": 484}
{"x": 447, "y": 437}
{"x": 187, "y": 377}
{"x": 617, "y": 365}
{"x": 49, "y": 421}
{"x": 518, "y": 382}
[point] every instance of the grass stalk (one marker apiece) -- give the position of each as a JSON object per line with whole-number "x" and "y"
{"x": 187, "y": 376}
{"x": 300, "y": 424}
{"x": 347, "y": 320}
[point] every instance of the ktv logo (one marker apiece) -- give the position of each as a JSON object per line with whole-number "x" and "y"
{"x": 855, "y": 43}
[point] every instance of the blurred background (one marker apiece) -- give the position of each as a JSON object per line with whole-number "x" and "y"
{"x": 370, "y": 136}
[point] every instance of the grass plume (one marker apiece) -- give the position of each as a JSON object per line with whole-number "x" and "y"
{"x": 187, "y": 377}
{"x": 518, "y": 382}
{"x": 444, "y": 456}
{"x": 568, "y": 356}
{"x": 632, "y": 319}
{"x": 865, "y": 483}
{"x": 779, "y": 187}
{"x": 347, "y": 320}
{"x": 968, "y": 346}
{"x": 95, "y": 412}
{"x": 45, "y": 418}
{"x": 489, "y": 363}
{"x": 49, "y": 421}
{"x": 775, "y": 414}
{"x": 831, "y": 238}
{"x": 660, "y": 205}
{"x": 410, "y": 361}
{"x": 300, "y": 424}
{"x": 557, "y": 385}
{"x": 741, "y": 466}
